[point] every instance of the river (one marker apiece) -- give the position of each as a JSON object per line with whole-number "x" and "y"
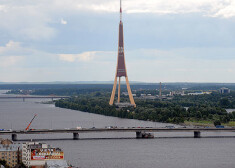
{"x": 118, "y": 150}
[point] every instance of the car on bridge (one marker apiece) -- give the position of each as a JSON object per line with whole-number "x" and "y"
{"x": 7, "y": 130}
{"x": 219, "y": 126}
{"x": 170, "y": 126}
{"x": 110, "y": 127}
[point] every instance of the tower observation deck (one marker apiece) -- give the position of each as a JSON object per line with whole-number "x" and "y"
{"x": 121, "y": 66}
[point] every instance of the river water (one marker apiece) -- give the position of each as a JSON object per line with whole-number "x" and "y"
{"x": 118, "y": 150}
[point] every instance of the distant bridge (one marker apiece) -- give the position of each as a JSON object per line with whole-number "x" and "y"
{"x": 139, "y": 131}
{"x": 34, "y": 97}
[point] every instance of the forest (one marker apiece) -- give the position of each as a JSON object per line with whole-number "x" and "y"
{"x": 178, "y": 110}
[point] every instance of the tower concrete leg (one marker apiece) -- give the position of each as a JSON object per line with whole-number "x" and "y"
{"x": 197, "y": 134}
{"x": 113, "y": 92}
{"x": 75, "y": 136}
{"x": 119, "y": 89}
{"x": 129, "y": 92}
{"x": 14, "y": 137}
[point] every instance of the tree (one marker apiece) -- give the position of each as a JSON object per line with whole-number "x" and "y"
{"x": 4, "y": 163}
{"x": 217, "y": 122}
{"x": 224, "y": 102}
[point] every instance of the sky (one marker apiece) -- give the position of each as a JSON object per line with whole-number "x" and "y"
{"x": 77, "y": 40}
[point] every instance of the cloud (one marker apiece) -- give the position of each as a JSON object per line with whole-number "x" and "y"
{"x": 149, "y": 65}
{"x": 13, "y": 48}
{"x": 2, "y": 8}
{"x": 206, "y": 54}
{"x": 177, "y": 65}
{"x": 173, "y": 40}
{"x": 26, "y": 21}
{"x": 10, "y": 61}
{"x": 34, "y": 21}
{"x": 86, "y": 56}
{"x": 62, "y": 21}
{"x": 227, "y": 11}
{"x": 215, "y": 8}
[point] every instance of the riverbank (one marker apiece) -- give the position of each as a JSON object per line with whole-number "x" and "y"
{"x": 206, "y": 123}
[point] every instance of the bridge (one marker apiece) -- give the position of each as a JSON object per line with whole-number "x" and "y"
{"x": 34, "y": 97}
{"x": 140, "y": 132}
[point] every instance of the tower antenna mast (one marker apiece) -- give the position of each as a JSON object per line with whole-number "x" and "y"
{"x": 120, "y": 10}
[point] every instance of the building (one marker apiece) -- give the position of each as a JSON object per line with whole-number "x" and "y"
{"x": 224, "y": 90}
{"x": 10, "y": 152}
{"x": 124, "y": 104}
{"x": 126, "y": 94}
{"x": 198, "y": 93}
{"x": 35, "y": 154}
{"x": 6, "y": 142}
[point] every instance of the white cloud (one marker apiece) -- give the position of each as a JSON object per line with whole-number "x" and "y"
{"x": 226, "y": 11}
{"x": 86, "y": 56}
{"x": 10, "y": 61}
{"x": 33, "y": 20}
{"x": 216, "y": 8}
{"x": 3, "y": 8}
{"x": 26, "y": 21}
{"x": 13, "y": 48}
{"x": 62, "y": 21}
{"x": 83, "y": 57}
{"x": 11, "y": 45}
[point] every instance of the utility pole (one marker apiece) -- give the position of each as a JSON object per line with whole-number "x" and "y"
{"x": 160, "y": 91}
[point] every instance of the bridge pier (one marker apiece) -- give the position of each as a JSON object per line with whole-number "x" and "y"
{"x": 75, "y": 136}
{"x": 197, "y": 134}
{"x": 142, "y": 134}
{"x": 14, "y": 137}
{"x": 139, "y": 134}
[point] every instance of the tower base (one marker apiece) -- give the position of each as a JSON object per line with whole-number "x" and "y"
{"x": 132, "y": 102}
{"x": 122, "y": 105}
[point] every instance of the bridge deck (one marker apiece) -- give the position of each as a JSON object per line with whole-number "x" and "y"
{"x": 31, "y": 97}
{"x": 90, "y": 130}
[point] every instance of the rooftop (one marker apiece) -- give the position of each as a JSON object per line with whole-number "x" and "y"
{"x": 11, "y": 147}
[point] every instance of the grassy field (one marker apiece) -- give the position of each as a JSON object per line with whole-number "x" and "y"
{"x": 230, "y": 124}
{"x": 199, "y": 123}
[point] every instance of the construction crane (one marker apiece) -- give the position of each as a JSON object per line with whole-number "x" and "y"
{"x": 30, "y": 123}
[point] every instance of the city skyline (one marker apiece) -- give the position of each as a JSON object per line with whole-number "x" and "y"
{"x": 76, "y": 40}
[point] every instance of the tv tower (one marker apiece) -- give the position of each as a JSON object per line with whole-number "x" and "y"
{"x": 121, "y": 66}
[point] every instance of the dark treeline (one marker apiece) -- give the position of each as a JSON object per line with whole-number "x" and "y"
{"x": 49, "y": 87}
{"x": 134, "y": 86}
{"x": 69, "y": 92}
